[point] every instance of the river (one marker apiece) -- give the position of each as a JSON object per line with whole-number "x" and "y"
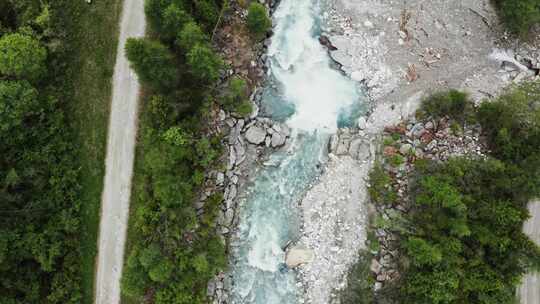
{"x": 314, "y": 100}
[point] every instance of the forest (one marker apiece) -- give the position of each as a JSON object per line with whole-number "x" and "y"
{"x": 40, "y": 220}
{"x": 173, "y": 250}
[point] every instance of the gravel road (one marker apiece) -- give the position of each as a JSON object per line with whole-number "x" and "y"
{"x": 119, "y": 162}
{"x": 529, "y": 291}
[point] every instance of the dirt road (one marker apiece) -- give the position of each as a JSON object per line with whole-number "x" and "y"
{"x": 529, "y": 291}
{"x": 119, "y": 162}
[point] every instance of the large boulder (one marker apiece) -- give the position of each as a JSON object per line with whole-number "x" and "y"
{"x": 255, "y": 135}
{"x": 297, "y": 256}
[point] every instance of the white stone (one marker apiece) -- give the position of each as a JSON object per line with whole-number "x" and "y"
{"x": 298, "y": 256}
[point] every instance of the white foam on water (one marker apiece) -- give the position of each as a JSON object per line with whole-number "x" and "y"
{"x": 302, "y": 66}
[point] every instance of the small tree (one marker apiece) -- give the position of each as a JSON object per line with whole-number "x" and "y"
{"x": 17, "y": 100}
{"x": 153, "y": 62}
{"x": 519, "y": 15}
{"x": 190, "y": 36}
{"x": 204, "y": 63}
{"x": 258, "y": 21}
{"x": 21, "y": 56}
{"x": 173, "y": 20}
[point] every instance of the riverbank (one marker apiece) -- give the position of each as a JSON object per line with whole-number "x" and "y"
{"x": 402, "y": 52}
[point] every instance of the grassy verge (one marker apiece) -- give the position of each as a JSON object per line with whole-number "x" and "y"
{"x": 137, "y": 191}
{"x": 92, "y": 32}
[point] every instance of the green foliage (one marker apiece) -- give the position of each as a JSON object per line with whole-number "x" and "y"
{"x": 161, "y": 272}
{"x": 359, "y": 282}
{"x": 236, "y": 98}
{"x": 452, "y": 103}
{"x": 512, "y": 124}
{"x": 204, "y": 63}
{"x": 396, "y": 160}
{"x": 18, "y": 99}
{"x": 153, "y": 62}
{"x": 40, "y": 181}
{"x": 466, "y": 244}
{"x": 190, "y": 36}
{"x": 380, "y": 187}
{"x": 421, "y": 252}
{"x": 258, "y": 21}
{"x": 174, "y": 18}
{"x": 519, "y": 15}
{"x": 175, "y": 248}
{"x": 21, "y": 56}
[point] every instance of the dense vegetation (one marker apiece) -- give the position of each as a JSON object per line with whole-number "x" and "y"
{"x": 258, "y": 21}
{"x": 173, "y": 248}
{"x": 519, "y": 15}
{"x": 464, "y": 241}
{"x": 43, "y": 229}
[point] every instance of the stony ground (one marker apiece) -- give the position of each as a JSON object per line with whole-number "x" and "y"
{"x": 404, "y": 50}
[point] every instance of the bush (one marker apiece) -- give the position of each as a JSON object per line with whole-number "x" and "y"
{"x": 258, "y": 21}
{"x": 512, "y": 124}
{"x": 153, "y": 62}
{"x": 236, "y": 98}
{"x": 21, "y": 56}
{"x": 173, "y": 19}
{"x": 204, "y": 63}
{"x": 190, "y": 36}
{"x": 466, "y": 244}
{"x": 452, "y": 103}
{"x": 18, "y": 99}
{"x": 519, "y": 15}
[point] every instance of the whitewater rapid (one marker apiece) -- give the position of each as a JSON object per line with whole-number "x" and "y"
{"x": 318, "y": 99}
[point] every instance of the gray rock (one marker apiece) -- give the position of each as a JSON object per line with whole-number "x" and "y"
{"x": 333, "y": 143}
{"x": 240, "y": 152}
{"x": 278, "y": 140}
{"x": 220, "y": 178}
{"x": 405, "y": 149}
{"x": 343, "y": 145}
{"x": 232, "y": 158}
{"x": 255, "y": 135}
{"x": 211, "y": 289}
{"x": 362, "y": 123}
{"x": 231, "y": 194}
{"x": 375, "y": 266}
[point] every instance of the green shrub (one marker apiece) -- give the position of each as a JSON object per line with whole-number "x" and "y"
{"x": 236, "y": 98}
{"x": 453, "y": 103}
{"x": 258, "y": 21}
{"x": 466, "y": 242}
{"x": 174, "y": 19}
{"x": 190, "y": 36}
{"x": 380, "y": 187}
{"x": 22, "y": 56}
{"x": 153, "y": 62}
{"x": 519, "y": 15}
{"x": 512, "y": 124}
{"x": 204, "y": 63}
{"x": 18, "y": 99}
